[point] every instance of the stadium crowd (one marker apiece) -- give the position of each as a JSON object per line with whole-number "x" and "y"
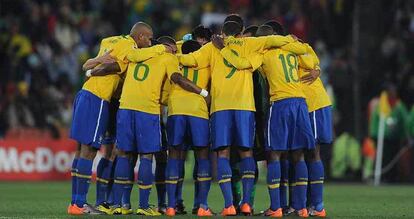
{"x": 44, "y": 44}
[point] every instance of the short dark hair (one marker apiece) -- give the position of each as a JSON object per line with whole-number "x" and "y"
{"x": 252, "y": 29}
{"x": 231, "y": 28}
{"x": 166, "y": 40}
{"x": 264, "y": 30}
{"x": 201, "y": 32}
{"x": 190, "y": 46}
{"x": 276, "y": 26}
{"x": 236, "y": 18}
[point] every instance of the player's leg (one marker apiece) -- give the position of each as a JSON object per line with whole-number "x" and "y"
{"x": 89, "y": 123}
{"x": 236, "y": 186}
{"x": 148, "y": 139}
{"x": 74, "y": 173}
{"x": 171, "y": 179}
{"x": 284, "y": 181}
{"x": 301, "y": 140}
{"x": 125, "y": 135}
{"x": 245, "y": 129}
{"x": 160, "y": 169}
{"x": 176, "y": 129}
{"x": 110, "y": 198}
{"x": 321, "y": 123}
{"x": 126, "y": 196}
{"x": 273, "y": 183}
{"x": 104, "y": 170}
{"x": 299, "y": 189}
{"x": 256, "y": 178}
{"x": 199, "y": 132}
{"x": 103, "y": 174}
{"x": 196, "y": 202}
{"x": 180, "y": 208}
{"x": 221, "y": 133}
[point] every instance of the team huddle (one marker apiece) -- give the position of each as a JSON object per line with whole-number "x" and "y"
{"x": 160, "y": 98}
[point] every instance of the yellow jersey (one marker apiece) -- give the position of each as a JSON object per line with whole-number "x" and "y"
{"x": 144, "y": 81}
{"x": 182, "y": 102}
{"x": 281, "y": 70}
{"x": 105, "y": 86}
{"x": 316, "y": 95}
{"x": 232, "y": 89}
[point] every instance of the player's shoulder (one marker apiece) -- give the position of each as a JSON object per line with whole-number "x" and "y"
{"x": 117, "y": 40}
{"x": 166, "y": 58}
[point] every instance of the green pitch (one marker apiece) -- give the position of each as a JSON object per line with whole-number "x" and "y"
{"x": 50, "y": 199}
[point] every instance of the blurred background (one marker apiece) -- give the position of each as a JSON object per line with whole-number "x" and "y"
{"x": 366, "y": 48}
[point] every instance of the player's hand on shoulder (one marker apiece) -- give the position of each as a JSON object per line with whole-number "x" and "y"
{"x": 311, "y": 77}
{"x": 106, "y": 58}
{"x": 217, "y": 41}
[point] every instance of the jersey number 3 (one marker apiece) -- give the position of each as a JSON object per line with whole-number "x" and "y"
{"x": 289, "y": 68}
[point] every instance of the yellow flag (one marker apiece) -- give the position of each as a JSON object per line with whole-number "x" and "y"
{"x": 384, "y": 105}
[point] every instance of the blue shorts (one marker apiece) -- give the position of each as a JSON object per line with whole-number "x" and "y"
{"x": 232, "y": 127}
{"x": 90, "y": 119}
{"x": 187, "y": 130}
{"x": 138, "y": 132}
{"x": 321, "y": 122}
{"x": 288, "y": 126}
{"x": 110, "y": 134}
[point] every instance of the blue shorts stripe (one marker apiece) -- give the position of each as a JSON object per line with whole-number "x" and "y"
{"x": 268, "y": 125}
{"x": 98, "y": 121}
{"x": 315, "y": 130}
{"x": 321, "y": 120}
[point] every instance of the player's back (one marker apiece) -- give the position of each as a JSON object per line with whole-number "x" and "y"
{"x": 143, "y": 83}
{"x": 182, "y": 102}
{"x": 232, "y": 88}
{"x": 281, "y": 70}
{"x": 105, "y": 86}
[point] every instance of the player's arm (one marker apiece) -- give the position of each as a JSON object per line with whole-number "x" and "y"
{"x": 172, "y": 67}
{"x": 310, "y": 63}
{"x": 296, "y": 47}
{"x": 184, "y": 83}
{"x": 139, "y": 55}
{"x": 199, "y": 58}
{"x": 104, "y": 69}
{"x": 92, "y": 63}
{"x": 189, "y": 86}
{"x": 259, "y": 44}
{"x": 251, "y": 62}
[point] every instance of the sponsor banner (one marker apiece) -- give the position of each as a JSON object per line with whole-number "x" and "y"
{"x": 37, "y": 159}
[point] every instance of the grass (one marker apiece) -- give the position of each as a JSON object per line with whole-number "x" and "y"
{"x": 50, "y": 199}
